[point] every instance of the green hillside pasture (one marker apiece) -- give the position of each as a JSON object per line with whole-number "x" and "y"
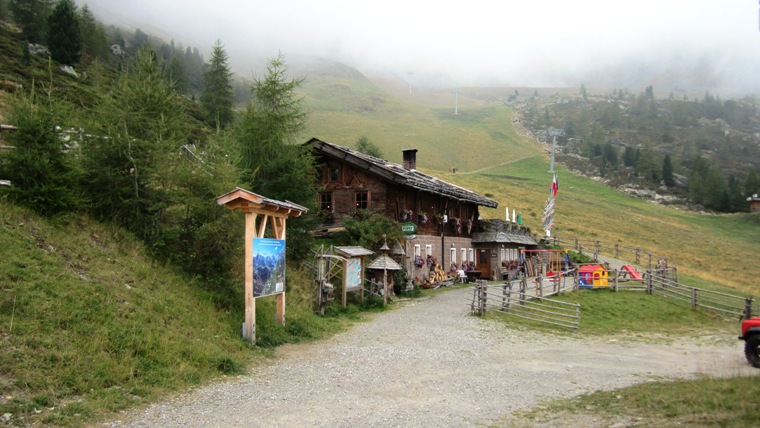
{"x": 88, "y": 324}
{"x": 716, "y": 248}
{"x": 481, "y": 135}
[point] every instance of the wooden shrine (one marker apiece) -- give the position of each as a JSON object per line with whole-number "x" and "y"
{"x": 259, "y": 212}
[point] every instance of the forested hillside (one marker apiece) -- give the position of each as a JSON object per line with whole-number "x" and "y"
{"x": 704, "y": 152}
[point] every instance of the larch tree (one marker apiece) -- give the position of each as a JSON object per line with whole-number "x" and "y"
{"x": 63, "y": 36}
{"x": 216, "y": 93}
{"x": 272, "y": 162}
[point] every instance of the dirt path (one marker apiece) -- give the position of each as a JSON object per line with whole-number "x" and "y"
{"x": 430, "y": 364}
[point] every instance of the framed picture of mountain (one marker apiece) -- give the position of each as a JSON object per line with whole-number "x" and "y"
{"x": 268, "y": 266}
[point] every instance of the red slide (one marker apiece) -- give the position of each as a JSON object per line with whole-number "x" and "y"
{"x": 633, "y": 272}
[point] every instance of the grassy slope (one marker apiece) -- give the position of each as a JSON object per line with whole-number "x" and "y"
{"x": 494, "y": 158}
{"x": 89, "y": 323}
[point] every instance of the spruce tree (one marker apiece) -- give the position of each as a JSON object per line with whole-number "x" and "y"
{"x": 63, "y": 37}
{"x": 216, "y": 95}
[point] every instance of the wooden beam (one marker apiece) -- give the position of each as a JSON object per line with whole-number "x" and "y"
{"x": 250, "y": 303}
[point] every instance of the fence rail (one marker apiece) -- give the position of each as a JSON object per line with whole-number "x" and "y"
{"x": 724, "y": 303}
{"x": 519, "y": 300}
{"x": 596, "y": 247}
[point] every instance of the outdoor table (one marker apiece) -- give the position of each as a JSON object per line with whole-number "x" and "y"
{"x": 472, "y": 275}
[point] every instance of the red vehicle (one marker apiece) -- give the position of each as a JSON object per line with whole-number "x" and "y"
{"x": 751, "y": 337}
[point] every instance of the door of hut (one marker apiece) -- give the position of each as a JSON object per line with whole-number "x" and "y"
{"x": 484, "y": 263}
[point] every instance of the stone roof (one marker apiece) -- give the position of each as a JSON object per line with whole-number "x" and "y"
{"x": 501, "y": 232}
{"x": 397, "y": 174}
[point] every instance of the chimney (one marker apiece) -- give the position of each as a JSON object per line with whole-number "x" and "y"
{"x": 410, "y": 158}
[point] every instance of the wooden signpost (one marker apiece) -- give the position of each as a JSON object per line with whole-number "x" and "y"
{"x": 266, "y": 211}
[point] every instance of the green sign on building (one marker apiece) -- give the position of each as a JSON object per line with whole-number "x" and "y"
{"x": 409, "y": 228}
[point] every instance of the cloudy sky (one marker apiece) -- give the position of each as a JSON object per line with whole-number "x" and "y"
{"x": 512, "y": 42}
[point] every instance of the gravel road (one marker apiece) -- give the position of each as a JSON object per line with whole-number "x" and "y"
{"x": 430, "y": 364}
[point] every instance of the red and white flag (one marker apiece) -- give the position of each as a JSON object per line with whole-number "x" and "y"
{"x": 555, "y": 186}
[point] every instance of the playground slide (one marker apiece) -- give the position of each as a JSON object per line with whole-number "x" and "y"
{"x": 633, "y": 272}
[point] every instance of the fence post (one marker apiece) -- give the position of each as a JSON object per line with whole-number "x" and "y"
{"x": 694, "y": 298}
{"x": 539, "y": 285}
{"x": 523, "y": 288}
{"x": 748, "y": 308}
{"x": 505, "y": 296}
{"x": 474, "y": 297}
{"x": 638, "y": 258}
{"x": 577, "y": 316}
{"x": 484, "y": 293}
{"x": 577, "y": 247}
{"x": 650, "y": 260}
{"x": 615, "y": 272}
{"x": 650, "y": 285}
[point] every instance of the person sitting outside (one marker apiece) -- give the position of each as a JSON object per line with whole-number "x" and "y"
{"x": 461, "y": 275}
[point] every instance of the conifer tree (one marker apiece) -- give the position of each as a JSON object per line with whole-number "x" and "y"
{"x": 43, "y": 177}
{"x": 63, "y": 37}
{"x": 216, "y": 96}
{"x": 31, "y": 16}
{"x": 94, "y": 41}
{"x": 272, "y": 164}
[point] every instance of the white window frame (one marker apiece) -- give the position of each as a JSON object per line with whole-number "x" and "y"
{"x": 416, "y": 250}
{"x": 428, "y": 250}
{"x": 464, "y": 255}
{"x": 472, "y": 255}
{"x": 453, "y": 254}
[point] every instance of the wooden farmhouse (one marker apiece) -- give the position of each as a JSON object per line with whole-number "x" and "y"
{"x": 439, "y": 218}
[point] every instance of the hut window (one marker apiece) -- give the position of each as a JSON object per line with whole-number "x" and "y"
{"x": 464, "y": 255}
{"x": 361, "y": 200}
{"x": 417, "y": 250}
{"x": 334, "y": 174}
{"x": 453, "y": 256}
{"x": 428, "y": 250}
{"x": 472, "y": 255}
{"x": 325, "y": 202}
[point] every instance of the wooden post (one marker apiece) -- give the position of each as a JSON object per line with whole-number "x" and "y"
{"x": 273, "y": 212}
{"x": 694, "y": 298}
{"x": 615, "y": 273}
{"x": 484, "y": 294}
{"x": 250, "y": 303}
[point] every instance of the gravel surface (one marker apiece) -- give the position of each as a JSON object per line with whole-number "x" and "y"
{"x": 430, "y": 363}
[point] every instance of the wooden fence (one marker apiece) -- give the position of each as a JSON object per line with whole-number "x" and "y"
{"x": 657, "y": 283}
{"x": 527, "y": 300}
{"x": 635, "y": 255}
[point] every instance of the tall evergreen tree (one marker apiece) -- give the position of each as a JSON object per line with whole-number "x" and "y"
{"x": 63, "y": 37}
{"x": 216, "y": 96}
{"x": 130, "y": 161}
{"x": 44, "y": 178}
{"x": 94, "y": 41}
{"x": 31, "y": 16}
{"x": 273, "y": 165}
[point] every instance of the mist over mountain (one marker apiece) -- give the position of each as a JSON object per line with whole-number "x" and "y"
{"x": 684, "y": 47}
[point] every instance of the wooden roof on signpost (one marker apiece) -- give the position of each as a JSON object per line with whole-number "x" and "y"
{"x": 248, "y": 201}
